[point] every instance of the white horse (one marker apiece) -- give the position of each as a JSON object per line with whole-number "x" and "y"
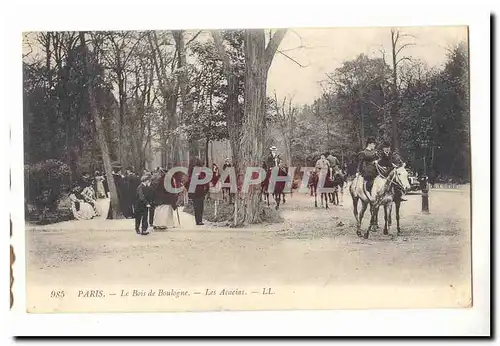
{"x": 385, "y": 190}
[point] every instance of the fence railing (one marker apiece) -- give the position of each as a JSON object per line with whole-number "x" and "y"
{"x": 450, "y": 186}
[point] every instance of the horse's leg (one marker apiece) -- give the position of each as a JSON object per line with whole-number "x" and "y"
{"x": 374, "y": 217}
{"x": 315, "y": 198}
{"x": 277, "y": 197}
{"x": 355, "y": 211}
{"x": 375, "y": 212}
{"x": 341, "y": 202}
{"x": 386, "y": 218}
{"x": 364, "y": 205}
{"x": 398, "y": 204}
{"x": 389, "y": 217}
{"x": 389, "y": 214}
{"x": 284, "y": 200}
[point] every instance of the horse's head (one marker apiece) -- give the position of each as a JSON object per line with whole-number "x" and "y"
{"x": 400, "y": 177}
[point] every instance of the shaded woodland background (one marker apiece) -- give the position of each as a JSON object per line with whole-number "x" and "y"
{"x": 161, "y": 98}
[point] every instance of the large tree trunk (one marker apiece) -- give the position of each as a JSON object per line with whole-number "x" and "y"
{"x": 207, "y": 162}
{"x": 187, "y": 105}
{"x": 115, "y": 205}
{"x": 247, "y": 141}
{"x": 121, "y": 101}
{"x": 251, "y": 143}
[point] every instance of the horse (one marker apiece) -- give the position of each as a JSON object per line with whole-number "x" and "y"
{"x": 328, "y": 183}
{"x": 338, "y": 182}
{"x": 387, "y": 192}
{"x": 279, "y": 186}
{"x": 383, "y": 193}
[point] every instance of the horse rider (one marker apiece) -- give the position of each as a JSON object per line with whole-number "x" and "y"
{"x": 366, "y": 165}
{"x": 388, "y": 160}
{"x": 334, "y": 162}
{"x": 322, "y": 165}
{"x": 227, "y": 163}
{"x": 273, "y": 159}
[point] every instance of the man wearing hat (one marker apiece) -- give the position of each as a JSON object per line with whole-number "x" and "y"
{"x": 389, "y": 159}
{"x": 142, "y": 203}
{"x": 227, "y": 163}
{"x": 366, "y": 164}
{"x": 273, "y": 159}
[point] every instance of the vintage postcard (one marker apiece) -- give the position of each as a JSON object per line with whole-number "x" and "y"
{"x": 221, "y": 169}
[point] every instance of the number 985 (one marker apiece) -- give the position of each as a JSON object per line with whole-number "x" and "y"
{"x": 57, "y": 294}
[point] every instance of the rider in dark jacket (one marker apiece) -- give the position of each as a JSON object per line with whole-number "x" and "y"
{"x": 273, "y": 159}
{"x": 389, "y": 159}
{"x": 366, "y": 164}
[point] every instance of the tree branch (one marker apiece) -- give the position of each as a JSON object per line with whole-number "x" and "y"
{"x": 403, "y": 58}
{"x": 404, "y": 46}
{"x": 193, "y": 38}
{"x": 292, "y": 59}
{"x": 273, "y": 45}
{"x": 222, "y": 51}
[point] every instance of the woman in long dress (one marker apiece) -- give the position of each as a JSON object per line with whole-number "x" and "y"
{"x": 166, "y": 203}
{"x": 99, "y": 181}
{"x": 80, "y": 208}
{"x": 102, "y": 202}
{"x": 89, "y": 196}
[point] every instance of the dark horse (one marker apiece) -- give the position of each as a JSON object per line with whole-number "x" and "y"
{"x": 328, "y": 183}
{"x": 279, "y": 186}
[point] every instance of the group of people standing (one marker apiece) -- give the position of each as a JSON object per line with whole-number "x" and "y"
{"x": 154, "y": 206}
{"x": 158, "y": 208}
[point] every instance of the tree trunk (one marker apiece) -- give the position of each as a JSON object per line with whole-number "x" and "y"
{"x": 207, "y": 142}
{"x": 187, "y": 105}
{"x": 252, "y": 138}
{"x": 212, "y": 151}
{"x": 115, "y": 205}
{"x": 361, "y": 123}
{"x": 247, "y": 141}
{"x": 395, "y": 98}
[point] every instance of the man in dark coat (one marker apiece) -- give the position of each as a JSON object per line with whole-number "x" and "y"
{"x": 132, "y": 181}
{"x": 199, "y": 194}
{"x": 366, "y": 164}
{"x": 142, "y": 203}
{"x": 389, "y": 159}
{"x": 121, "y": 188}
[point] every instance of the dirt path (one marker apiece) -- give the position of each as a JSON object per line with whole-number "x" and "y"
{"x": 313, "y": 246}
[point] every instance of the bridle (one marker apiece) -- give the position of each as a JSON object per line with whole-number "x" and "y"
{"x": 395, "y": 180}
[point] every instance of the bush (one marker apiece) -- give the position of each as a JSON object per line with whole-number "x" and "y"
{"x": 45, "y": 182}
